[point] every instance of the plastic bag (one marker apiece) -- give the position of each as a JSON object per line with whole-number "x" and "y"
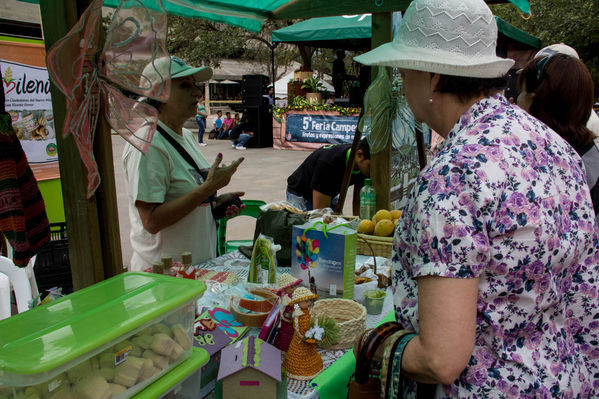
{"x": 263, "y": 265}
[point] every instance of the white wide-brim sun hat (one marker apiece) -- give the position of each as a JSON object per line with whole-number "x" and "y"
{"x": 450, "y": 37}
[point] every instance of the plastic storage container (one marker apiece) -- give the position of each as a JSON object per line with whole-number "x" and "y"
{"x": 182, "y": 382}
{"x": 109, "y": 340}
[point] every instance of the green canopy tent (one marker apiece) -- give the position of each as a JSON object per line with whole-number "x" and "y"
{"x": 353, "y": 32}
{"x": 93, "y": 228}
{"x": 250, "y": 14}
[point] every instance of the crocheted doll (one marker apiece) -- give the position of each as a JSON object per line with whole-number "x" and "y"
{"x": 287, "y": 285}
{"x": 302, "y": 361}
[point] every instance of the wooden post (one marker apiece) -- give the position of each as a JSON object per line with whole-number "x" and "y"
{"x": 380, "y": 163}
{"x": 207, "y": 100}
{"x": 92, "y": 225}
{"x": 349, "y": 167}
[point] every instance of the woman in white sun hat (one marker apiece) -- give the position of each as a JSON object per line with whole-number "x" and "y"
{"x": 495, "y": 257}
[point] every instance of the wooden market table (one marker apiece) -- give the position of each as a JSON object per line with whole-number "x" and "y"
{"x": 339, "y": 364}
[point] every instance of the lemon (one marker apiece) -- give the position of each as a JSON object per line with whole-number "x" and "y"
{"x": 384, "y": 228}
{"x": 395, "y": 214}
{"x": 366, "y": 226}
{"x": 380, "y": 215}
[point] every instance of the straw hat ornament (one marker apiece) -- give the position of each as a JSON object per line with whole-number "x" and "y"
{"x": 451, "y": 38}
{"x": 286, "y": 280}
{"x": 302, "y": 294}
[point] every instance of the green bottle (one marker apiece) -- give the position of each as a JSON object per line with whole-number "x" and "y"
{"x": 367, "y": 200}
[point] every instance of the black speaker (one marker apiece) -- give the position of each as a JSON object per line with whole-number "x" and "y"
{"x": 253, "y": 101}
{"x": 251, "y": 81}
{"x": 260, "y": 121}
{"x": 252, "y": 89}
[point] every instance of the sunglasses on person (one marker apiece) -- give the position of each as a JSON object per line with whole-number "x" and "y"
{"x": 541, "y": 66}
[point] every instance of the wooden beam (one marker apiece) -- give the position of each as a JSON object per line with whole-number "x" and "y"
{"x": 380, "y": 163}
{"x": 92, "y": 225}
{"x": 107, "y": 209}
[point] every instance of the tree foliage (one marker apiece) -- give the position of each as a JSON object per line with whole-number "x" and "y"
{"x": 573, "y": 22}
{"x": 202, "y": 42}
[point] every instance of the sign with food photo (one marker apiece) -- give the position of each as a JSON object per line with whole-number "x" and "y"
{"x": 27, "y": 100}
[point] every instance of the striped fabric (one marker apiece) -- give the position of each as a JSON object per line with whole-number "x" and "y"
{"x": 23, "y": 219}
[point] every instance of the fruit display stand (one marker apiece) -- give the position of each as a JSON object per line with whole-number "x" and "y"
{"x": 374, "y": 245}
{"x": 375, "y": 237}
{"x": 109, "y": 340}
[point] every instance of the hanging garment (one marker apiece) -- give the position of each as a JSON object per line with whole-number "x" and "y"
{"x": 23, "y": 219}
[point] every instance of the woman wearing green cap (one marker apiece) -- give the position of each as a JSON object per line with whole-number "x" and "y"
{"x": 172, "y": 186}
{"x": 495, "y": 259}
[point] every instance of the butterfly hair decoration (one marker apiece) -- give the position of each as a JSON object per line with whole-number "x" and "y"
{"x": 92, "y": 76}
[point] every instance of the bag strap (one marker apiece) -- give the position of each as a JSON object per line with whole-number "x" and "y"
{"x": 179, "y": 148}
{"x": 369, "y": 347}
{"x": 189, "y": 160}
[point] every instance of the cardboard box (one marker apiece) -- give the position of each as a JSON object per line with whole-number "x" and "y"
{"x": 326, "y": 257}
{"x": 302, "y": 75}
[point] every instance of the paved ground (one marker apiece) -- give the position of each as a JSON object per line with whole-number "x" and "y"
{"x": 262, "y": 175}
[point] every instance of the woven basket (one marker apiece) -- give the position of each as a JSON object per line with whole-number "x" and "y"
{"x": 367, "y": 244}
{"x": 350, "y": 317}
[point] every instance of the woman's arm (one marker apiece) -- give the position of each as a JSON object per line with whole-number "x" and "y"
{"x": 447, "y": 320}
{"x": 156, "y": 217}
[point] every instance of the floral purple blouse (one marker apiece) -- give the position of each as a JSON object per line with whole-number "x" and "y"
{"x": 505, "y": 199}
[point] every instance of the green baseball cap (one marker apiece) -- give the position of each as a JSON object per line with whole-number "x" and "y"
{"x": 179, "y": 69}
{"x": 157, "y": 71}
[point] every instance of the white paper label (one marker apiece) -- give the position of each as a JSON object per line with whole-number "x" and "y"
{"x": 333, "y": 290}
{"x": 121, "y": 356}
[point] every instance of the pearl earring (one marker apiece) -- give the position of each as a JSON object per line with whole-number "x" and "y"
{"x": 430, "y": 100}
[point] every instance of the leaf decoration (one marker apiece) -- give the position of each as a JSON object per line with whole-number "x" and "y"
{"x": 91, "y": 76}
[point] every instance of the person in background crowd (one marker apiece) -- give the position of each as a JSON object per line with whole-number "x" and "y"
{"x": 226, "y": 127}
{"x": 171, "y": 199}
{"x": 593, "y": 122}
{"x": 218, "y": 125}
{"x": 270, "y": 96}
{"x": 558, "y": 89}
{"x": 339, "y": 75}
{"x": 495, "y": 257}
{"x": 316, "y": 183}
{"x": 201, "y": 120}
{"x": 241, "y": 134}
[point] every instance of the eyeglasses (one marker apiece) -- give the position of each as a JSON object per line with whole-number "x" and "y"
{"x": 190, "y": 84}
{"x": 541, "y": 66}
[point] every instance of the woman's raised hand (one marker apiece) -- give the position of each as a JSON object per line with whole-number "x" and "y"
{"x": 220, "y": 176}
